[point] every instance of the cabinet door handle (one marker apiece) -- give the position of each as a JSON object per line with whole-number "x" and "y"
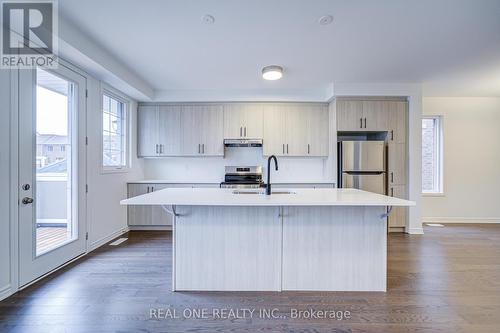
{"x": 392, "y": 177}
{"x": 360, "y": 122}
{"x": 203, "y": 148}
{"x": 156, "y": 148}
{"x": 365, "y": 122}
{"x": 287, "y": 148}
{"x": 308, "y": 148}
{"x": 392, "y": 191}
{"x": 199, "y": 148}
{"x": 283, "y": 148}
{"x": 147, "y": 191}
{"x": 152, "y": 189}
{"x": 161, "y": 148}
{"x": 245, "y": 132}
{"x": 392, "y": 135}
{"x": 241, "y": 132}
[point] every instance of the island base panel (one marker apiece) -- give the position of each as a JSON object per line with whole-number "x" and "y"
{"x": 334, "y": 248}
{"x": 328, "y": 248}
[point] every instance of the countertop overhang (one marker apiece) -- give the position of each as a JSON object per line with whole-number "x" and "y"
{"x": 300, "y": 197}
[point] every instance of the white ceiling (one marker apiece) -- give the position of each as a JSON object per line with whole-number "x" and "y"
{"x": 451, "y": 46}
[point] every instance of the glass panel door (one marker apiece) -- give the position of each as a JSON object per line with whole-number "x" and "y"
{"x": 52, "y": 108}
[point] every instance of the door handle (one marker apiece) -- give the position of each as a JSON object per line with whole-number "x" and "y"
{"x": 245, "y": 132}
{"x": 147, "y": 190}
{"x": 283, "y": 148}
{"x": 199, "y": 148}
{"x": 241, "y": 131}
{"x": 360, "y": 122}
{"x": 392, "y": 177}
{"x": 392, "y": 191}
{"x": 365, "y": 122}
{"x": 287, "y": 148}
{"x": 392, "y": 135}
{"x": 156, "y": 148}
{"x": 308, "y": 148}
{"x": 27, "y": 201}
{"x": 203, "y": 148}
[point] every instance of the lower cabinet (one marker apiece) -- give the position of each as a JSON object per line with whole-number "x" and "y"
{"x": 149, "y": 216}
{"x": 397, "y": 218}
{"x": 304, "y": 185}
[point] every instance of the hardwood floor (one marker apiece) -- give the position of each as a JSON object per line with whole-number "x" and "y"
{"x": 447, "y": 280}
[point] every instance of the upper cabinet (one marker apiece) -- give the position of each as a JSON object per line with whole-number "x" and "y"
{"x": 243, "y": 120}
{"x": 373, "y": 116}
{"x": 287, "y": 129}
{"x": 147, "y": 131}
{"x": 180, "y": 130}
{"x": 201, "y": 130}
{"x": 296, "y": 129}
{"x": 349, "y": 115}
{"x": 397, "y": 122}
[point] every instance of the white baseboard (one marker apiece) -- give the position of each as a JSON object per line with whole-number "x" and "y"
{"x": 150, "y": 227}
{"x": 5, "y": 292}
{"x": 416, "y": 231}
{"x": 471, "y": 220}
{"x": 100, "y": 242}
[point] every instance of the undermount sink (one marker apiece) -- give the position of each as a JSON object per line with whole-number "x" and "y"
{"x": 263, "y": 192}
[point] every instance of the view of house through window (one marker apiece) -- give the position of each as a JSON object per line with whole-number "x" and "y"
{"x": 113, "y": 133}
{"x": 432, "y": 159}
{"x": 54, "y": 172}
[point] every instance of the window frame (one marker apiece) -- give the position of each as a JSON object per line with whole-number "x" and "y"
{"x": 439, "y": 147}
{"x": 117, "y": 95}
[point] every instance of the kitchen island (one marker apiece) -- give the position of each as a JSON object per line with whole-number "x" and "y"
{"x": 294, "y": 239}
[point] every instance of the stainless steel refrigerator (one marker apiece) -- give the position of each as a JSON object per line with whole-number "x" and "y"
{"x": 362, "y": 165}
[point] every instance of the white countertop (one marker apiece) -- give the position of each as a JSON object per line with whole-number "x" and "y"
{"x": 163, "y": 181}
{"x": 301, "y": 197}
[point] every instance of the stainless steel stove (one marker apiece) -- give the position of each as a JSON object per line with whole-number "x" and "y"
{"x": 243, "y": 177}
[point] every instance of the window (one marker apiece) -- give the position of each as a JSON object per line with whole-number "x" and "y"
{"x": 114, "y": 132}
{"x": 432, "y": 155}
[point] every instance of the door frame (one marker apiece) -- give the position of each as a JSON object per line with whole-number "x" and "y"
{"x": 15, "y": 282}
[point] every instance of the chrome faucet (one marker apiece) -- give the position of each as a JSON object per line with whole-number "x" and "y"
{"x": 268, "y": 186}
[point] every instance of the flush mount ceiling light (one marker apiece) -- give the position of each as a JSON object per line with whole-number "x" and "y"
{"x": 325, "y": 20}
{"x": 272, "y": 72}
{"x": 208, "y": 19}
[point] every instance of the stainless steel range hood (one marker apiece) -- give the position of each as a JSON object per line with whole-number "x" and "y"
{"x": 243, "y": 142}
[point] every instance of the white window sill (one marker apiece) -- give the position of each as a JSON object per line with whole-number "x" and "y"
{"x": 433, "y": 194}
{"x": 114, "y": 170}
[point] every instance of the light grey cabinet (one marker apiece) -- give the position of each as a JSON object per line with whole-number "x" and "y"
{"x": 396, "y": 164}
{"x": 397, "y": 122}
{"x": 349, "y": 115}
{"x": 180, "y": 130}
{"x": 375, "y": 115}
{"x": 202, "y": 130}
{"x": 146, "y": 215}
{"x": 147, "y": 131}
{"x": 169, "y": 130}
{"x": 384, "y": 115}
{"x": 366, "y": 115}
{"x": 243, "y": 120}
{"x": 296, "y": 129}
{"x": 158, "y": 129}
{"x": 397, "y": 218}
{"x": 154, "y": 215}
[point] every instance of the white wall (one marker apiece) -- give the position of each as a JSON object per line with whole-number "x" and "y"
{"x": 471, "y": 160}
{"x": 106, "y": 218}
{"x": 5, "y": 277}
